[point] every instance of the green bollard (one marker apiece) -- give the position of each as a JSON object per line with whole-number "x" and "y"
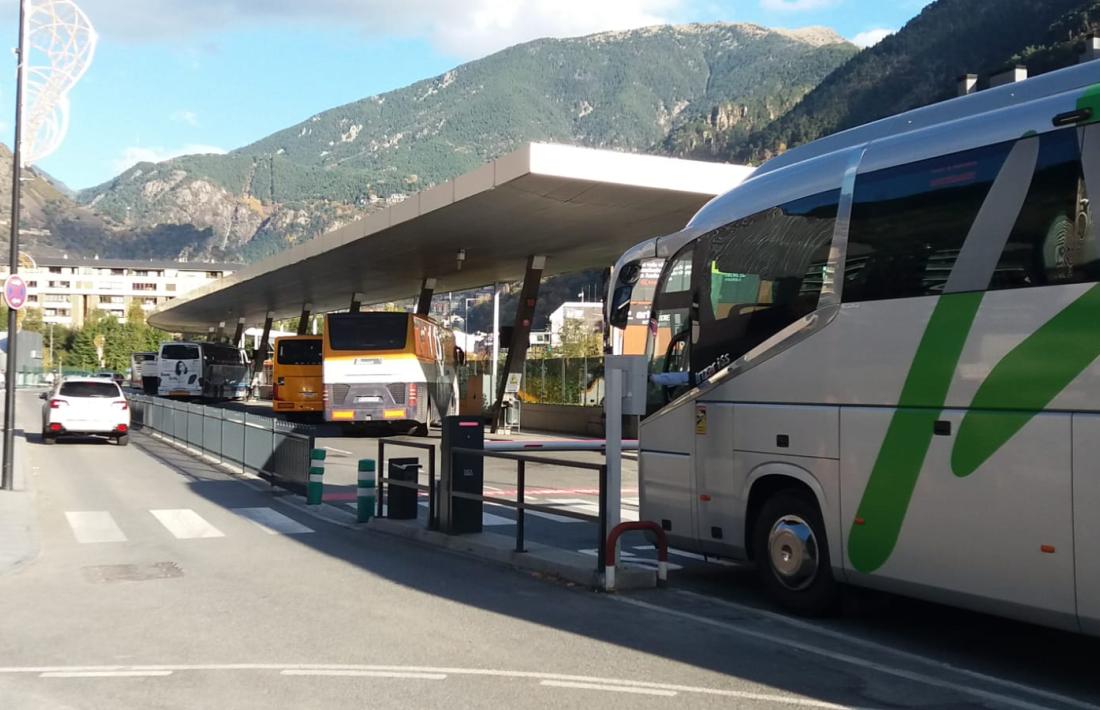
{"x": 366, "y": 490}
{"x": 316, "y": 486}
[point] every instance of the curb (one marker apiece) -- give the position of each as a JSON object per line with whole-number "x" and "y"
{"x": 543, "y": 559}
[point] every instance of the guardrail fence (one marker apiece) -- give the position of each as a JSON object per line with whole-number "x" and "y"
{"x": 272, "y": 448}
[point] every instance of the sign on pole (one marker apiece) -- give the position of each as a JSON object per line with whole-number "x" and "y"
{"x": 15, "y": 292}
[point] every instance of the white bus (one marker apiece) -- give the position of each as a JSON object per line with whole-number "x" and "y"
{"x": 875, "y": 361}
{"x": 143, "y": 372}
{"x": 209, "y": 371}
{"x": 399, "y": 369}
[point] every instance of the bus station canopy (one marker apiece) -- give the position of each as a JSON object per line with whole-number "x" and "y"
{"x": 579, "y": 207}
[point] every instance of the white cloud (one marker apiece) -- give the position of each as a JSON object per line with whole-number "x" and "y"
{"x": 871, "y": 37}
{"x": 133, "y": 155}
{"x": 189, "y": 117}
{"x": 795, "y": 5}
{"x": 466, "y": 29}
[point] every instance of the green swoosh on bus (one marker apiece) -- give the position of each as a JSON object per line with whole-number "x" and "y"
{"x": 1026, "y": 380}
{"x": 1020, "y": 386}
{"x": 882, "y": 509}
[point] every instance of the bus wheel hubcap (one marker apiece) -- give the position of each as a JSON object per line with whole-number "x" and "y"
{"x": 792, "y": 549}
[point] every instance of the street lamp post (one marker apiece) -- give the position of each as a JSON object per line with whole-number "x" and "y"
{"x": 7, "y": 474}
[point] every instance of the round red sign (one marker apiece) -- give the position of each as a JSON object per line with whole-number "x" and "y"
{"x": 15, "y": 292}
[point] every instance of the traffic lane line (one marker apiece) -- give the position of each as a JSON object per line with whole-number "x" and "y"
{"x": 105, "y": 674}
{"x": 846, "y": 658}
{"x": 607, "y": 688}
{"x": 878, "y": 648}
{"x": 339, "y": 673}
{"x": 309, "y": 669}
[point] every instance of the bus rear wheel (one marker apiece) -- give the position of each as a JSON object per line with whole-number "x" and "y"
{"x": 792, "y": 554}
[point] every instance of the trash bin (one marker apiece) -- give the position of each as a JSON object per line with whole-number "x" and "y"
{"x": 402, "y": 500}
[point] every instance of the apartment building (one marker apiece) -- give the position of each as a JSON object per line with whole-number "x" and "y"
{"x": 67, "y": 288}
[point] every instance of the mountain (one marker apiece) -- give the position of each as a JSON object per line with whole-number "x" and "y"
{"x": 658, "y": 89}
{"x": 918, "y": 65}
{"x": 51, "y": 220}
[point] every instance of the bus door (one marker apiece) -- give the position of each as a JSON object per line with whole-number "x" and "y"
{"x": 666, "y": 480}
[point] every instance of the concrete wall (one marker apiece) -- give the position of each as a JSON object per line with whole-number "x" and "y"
{"x": 570, "y": 419}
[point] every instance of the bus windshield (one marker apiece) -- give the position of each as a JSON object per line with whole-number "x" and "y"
{"x": 180, "y": 352}
{"x": 299, "y": 352}
{"x": 367, "y": 331}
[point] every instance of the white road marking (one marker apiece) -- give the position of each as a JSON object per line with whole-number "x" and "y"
{"x": 337, "y": 451}
{"x": 446, "y": 671}
{"x": 365, "y": 674}
{"x": 880, "y": 648}
{"x": 631, "y": 501}
{"x": 186, "y": 524}
{"x": 272, "y": 522}
{"x": 837, "y": 656}
{"x": 94, "y": 526}
{"x": 555, "y": 518}
{"x": 610, "y": 688}
{"x": 102, "y": 674}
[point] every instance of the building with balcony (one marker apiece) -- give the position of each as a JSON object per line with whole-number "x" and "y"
{"x": 66, "y": 289}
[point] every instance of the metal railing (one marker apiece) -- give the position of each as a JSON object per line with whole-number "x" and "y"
{"x": 272, "y": 448}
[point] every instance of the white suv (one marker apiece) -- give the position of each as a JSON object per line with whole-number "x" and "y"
{"x": 85, "y": 405}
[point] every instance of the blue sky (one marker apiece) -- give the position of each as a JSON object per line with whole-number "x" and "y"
{"x": 184, "y": 76}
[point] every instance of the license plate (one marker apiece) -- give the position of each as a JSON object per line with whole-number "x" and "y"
{"x": 368, "y": 399}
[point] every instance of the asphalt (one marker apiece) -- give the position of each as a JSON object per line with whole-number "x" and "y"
{"x": 208, "y": 609}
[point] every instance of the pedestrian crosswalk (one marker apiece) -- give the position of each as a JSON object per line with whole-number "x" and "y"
{"x": 100, "y": 526}
{"x": 186, "y": 524}
{"x": 94, "y": 526}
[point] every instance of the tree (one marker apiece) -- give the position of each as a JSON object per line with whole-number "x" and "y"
{"x": 579, "y": 339}
{"x": 83, "y": 353}
{"x": 32, "y": 321}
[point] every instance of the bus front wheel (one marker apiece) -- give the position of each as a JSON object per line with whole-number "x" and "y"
{"x": 792, "y": 554}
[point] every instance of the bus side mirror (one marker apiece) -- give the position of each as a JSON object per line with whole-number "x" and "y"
{"x": 460, "y": 356}
{"x": 618, "y": 308}
{"x": 44, "y": 395}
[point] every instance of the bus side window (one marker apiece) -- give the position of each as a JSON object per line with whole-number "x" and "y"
{"x": 670, "y": 332}
{"x": 1052, "y": 241}
{"x": 909, "y": 223}
{"x": 759, "y": 275}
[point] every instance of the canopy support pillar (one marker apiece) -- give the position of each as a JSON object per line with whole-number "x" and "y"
{"x": 521, "y": 333}
{"x": 356, "y": 302}
{"x": 303, "y": 320}
{"x": 265, "y": 344}
{"x": 238, "y": 333}
{"x": 424, "y": 303}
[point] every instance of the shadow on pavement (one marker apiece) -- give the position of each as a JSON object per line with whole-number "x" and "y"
{"x": 1007, "y": 649}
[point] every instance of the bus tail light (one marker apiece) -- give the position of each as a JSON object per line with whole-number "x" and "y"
{"x": 412, "y": 395}
{"x": 275, "y": 391}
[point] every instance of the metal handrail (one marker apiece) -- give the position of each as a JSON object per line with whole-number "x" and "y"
{"x": 522, "y": 507}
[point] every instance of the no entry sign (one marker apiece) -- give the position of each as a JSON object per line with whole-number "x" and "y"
{"x": 15, "y": 292}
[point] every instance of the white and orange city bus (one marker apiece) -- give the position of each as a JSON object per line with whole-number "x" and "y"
{"x": 396, "y": 368}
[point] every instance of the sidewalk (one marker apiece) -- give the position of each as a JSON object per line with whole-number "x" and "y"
{"x": 18, "y": 537}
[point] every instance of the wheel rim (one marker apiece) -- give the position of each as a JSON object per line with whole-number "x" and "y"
{"x": 793, "y": 552}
